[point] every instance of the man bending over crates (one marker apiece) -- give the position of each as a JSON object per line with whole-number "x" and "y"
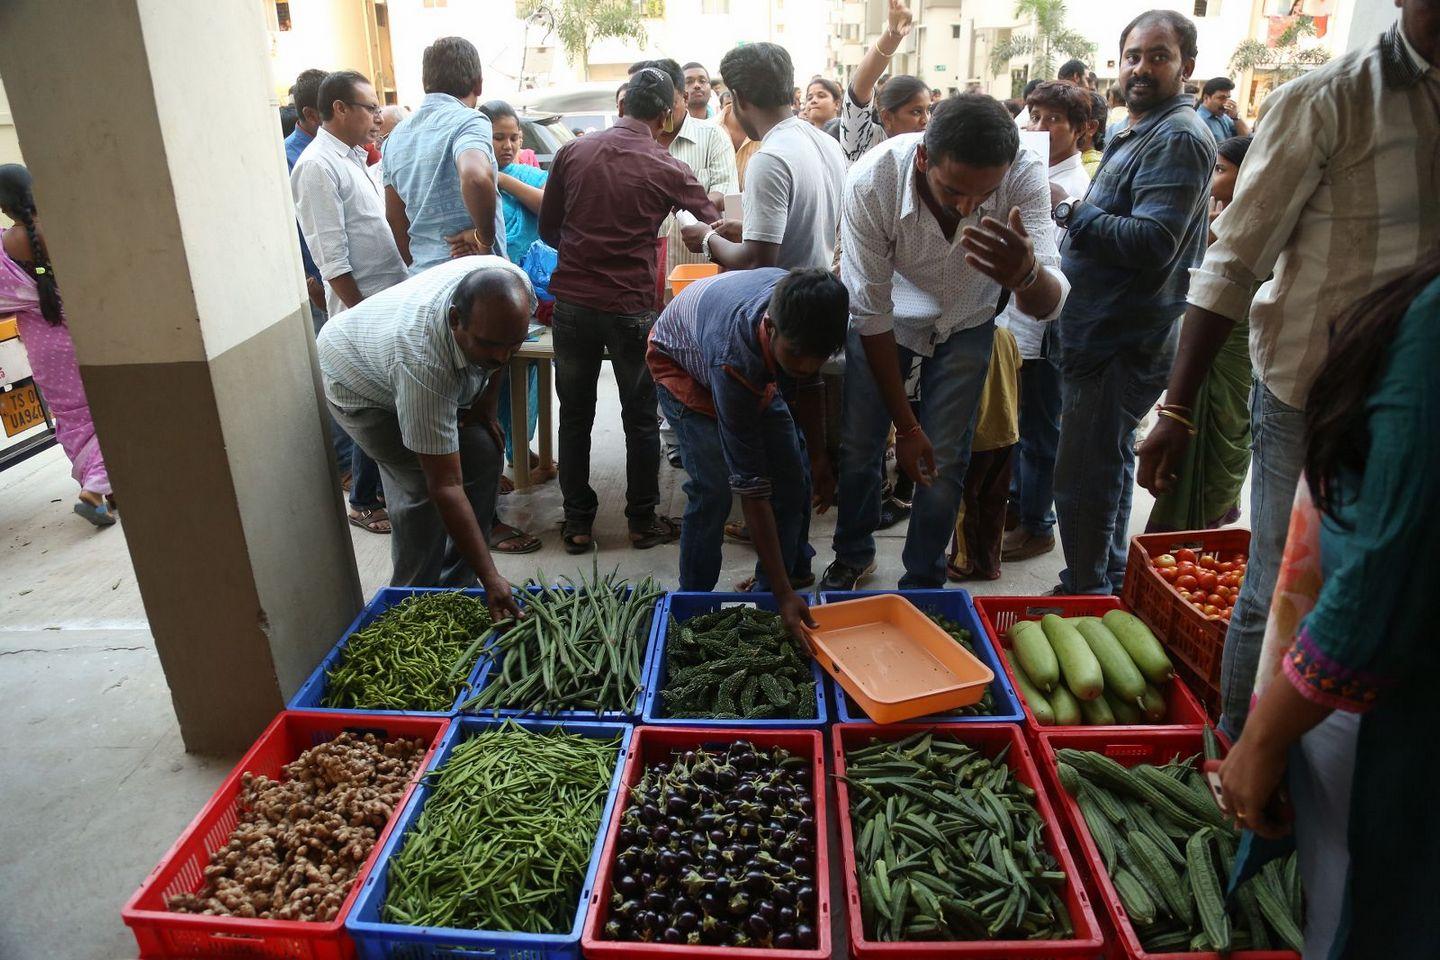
{"x": 735, "y": 358}
{"x": 409, "y": 373}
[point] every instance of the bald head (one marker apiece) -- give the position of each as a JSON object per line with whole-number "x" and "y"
{"x": 490, "y": 314}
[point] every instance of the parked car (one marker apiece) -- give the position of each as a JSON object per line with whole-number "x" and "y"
{"x": 545, "y": 133}
{"x": 586, "y": 107}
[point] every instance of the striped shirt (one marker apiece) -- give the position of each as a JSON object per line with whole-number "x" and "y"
{"x": 706, "y": 150}
{"x": 902, "y": 274}
{"x": 1339, "y": 194}
{"x": 395, "y": 351}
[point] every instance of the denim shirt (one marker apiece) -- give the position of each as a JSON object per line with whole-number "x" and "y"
{"x": 419, "y": 163}
{"x": 1131, "y": 244}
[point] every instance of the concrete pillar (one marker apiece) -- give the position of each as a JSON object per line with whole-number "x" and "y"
{"x": 160, "y": 179}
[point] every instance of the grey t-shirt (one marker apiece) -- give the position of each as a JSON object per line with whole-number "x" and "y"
{"x": 792, "y": 193}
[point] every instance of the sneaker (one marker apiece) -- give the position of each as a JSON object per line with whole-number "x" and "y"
{"x": 1021, "y": 544}
{"x": 841, "y": 576}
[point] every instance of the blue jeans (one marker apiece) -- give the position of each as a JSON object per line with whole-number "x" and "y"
{"x": 1277, "y": 451}
{"x": 1034, "y": 486}
{"x": 950, "y": 385}
{"x": 1103, "y": 398}
{"x": 708, "y": 495}
{"x": 364, "y": 475}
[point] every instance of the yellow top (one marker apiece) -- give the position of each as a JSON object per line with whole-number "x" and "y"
{"x": 998, "y": 423}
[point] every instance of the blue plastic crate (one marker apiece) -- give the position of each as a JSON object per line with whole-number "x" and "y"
{"x": 488, "y": 663}
{"x": 377, "y": 940}
{"x": 312, "y": 691}
{"x": 955, "y": 605}
{"x": 683, "y": 606}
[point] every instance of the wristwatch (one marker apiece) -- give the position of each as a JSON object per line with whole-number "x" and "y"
{"x": 1064, "y": 211}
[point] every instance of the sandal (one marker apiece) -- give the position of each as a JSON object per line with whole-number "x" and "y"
{"x": 374, "y": 521}
{"x": 737, "y": 532}
{"x": 97, "y": 513}
{"x": 892, "y": 512}
{"x": 577, "y": 538}
{"x": 502, "y": 534}
{"x": 507, "y": 486}
{"x": 796, "y": 583}
{"x": 654, "y": 532}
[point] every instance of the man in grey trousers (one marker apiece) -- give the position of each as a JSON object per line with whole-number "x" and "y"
{"x": 409, "y": 373}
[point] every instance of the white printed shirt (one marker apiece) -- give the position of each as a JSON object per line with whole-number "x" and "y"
{"x": 902, "y": 274}
{"x": 1028, "y": 331}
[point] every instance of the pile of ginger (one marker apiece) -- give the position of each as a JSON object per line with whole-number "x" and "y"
{"x": 302, "y": 839}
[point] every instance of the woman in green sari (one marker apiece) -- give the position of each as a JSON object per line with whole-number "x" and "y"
{"x": 1206, "y": 493}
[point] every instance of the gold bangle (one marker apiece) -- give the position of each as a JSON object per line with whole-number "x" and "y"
{"x": 475, "y": 235}
{"x": 1188, "y": 425}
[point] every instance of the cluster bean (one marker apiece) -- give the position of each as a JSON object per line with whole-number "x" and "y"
{"x": 301, "y": 839}
{"x": 577, "y": 649}
{"x": 415, "y": 656}
{"x": 949, "y": 845}
{"x": 504, "y": 839}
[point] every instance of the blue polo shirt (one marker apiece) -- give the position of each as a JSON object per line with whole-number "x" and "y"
{"x": 419, "y": 163}
{"x": 295, "y": 145}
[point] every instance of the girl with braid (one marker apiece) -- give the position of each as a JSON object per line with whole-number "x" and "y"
{"x": 28, "y": 288}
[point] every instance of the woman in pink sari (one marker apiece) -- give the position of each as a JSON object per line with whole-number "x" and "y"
{"x": 28, "y": 289}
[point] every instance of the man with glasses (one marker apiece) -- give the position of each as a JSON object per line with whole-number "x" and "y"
{"x": 441, "y": 189}
{"x": 697, "y": 90}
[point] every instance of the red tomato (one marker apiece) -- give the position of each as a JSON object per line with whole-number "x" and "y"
{"x": 1215, "y": 600}
{"x": 1208, "y": 581}
{"x": 1185, "y": 566}
{"x": 1164, "y": 560}
{"x": 1186, "y": 582}
{"x": 1229, "y": 580}
{"x": 1208, "y": 562}
{"x": 1168, "y": 574}
{"x": 1210, "y": 610}
{"x": 1185, "y": 555}
{"x": 1225, "y": 614}
{"x": 1239, "y": 558}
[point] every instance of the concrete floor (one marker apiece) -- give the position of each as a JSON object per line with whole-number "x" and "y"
{"x": 94, "y": 785}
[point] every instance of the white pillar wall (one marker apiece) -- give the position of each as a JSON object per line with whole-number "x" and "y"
{"x": 160, "y": 177}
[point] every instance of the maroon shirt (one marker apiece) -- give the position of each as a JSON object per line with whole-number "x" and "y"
{"x": 607, "y": 196}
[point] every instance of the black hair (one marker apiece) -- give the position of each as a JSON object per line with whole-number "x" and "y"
{"x": 811, "y": 309}
{"x": 1337, "y": 431}
{"x": 974, "y": 129}
{"x": 498, "y": 110}
{"x": 830, "y": 86}
{"x": 451, "y": 65}
{"x": 666, "y": 65}
{"x": 696, "y": 65}
{"x": 1234, "y": 148}
{"x": 288, "y": 116}
{"x": 620, "y": 91}
{"x": 306, "y": 91}
{"x": 1072, "y": 68}
{"x": 17, "y": 197}
{"x": 1100, "y": 113}
{"x": 1182, "y": 25}
{"x": 1030, "y": 88}
{"x": 1014, "y": 105}
{"x": 761, "y": 73}
{"x": 650, "y": 94}
{"x": 898, "y": 92}
{"x": 935, "y": 92}
{"x": 1065, "y": 97}
{"x": 501, "y": 283}
{"x": 339, "y": 85}
{"x": 1114, "y": 96}
{"x": 1215, "y": 84}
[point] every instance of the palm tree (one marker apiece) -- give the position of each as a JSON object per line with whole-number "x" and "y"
{"x": 1049, "y": 37}
{"x": 578, "y": 23}
{"x": 1286, "y": 59}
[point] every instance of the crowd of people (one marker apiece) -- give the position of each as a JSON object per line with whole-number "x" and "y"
{"x": 903, "y": 275}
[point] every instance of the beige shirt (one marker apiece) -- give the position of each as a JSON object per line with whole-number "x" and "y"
{"x": 706, "y": 149}
{"x": 1339, "y": 194}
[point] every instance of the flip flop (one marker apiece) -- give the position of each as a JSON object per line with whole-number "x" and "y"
{"x": 737, "y": 532}
{"x": 528, "y": 544}
{"x": 796, "y": 583}
{"x": 98, "y": 514}
{"x": 370, "y": 520}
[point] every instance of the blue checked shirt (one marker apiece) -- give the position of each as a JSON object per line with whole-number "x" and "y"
{"x": 1131, "y": 244}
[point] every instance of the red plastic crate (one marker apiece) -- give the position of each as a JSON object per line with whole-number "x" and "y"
{"x": 655, "y": 744}
{"x": 1143, "y": 746}
{"x": 1196, "y": 640}
{"x": 999, "y": 614}
{"x": 182, "y": 936}
{"x": 990, "y": 738}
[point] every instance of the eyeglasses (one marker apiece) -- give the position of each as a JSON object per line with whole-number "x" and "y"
{"x": 374, "y": 108}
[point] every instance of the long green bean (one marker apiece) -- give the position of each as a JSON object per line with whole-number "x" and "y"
{"x": 504, "y": 840}
{"x": 415, "y": 656}
{"x": 581, "y": 648}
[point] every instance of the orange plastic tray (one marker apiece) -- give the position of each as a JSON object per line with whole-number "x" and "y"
{"x": 895, "y": 661}
{"x": 685, "y": 274}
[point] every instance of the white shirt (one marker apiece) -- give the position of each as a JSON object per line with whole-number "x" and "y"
{"x": 396, "y": 352}
{"x": 706, "y": 150}
{"x": 1029, "y": 332}
{"x": 342, "y": 214}
{"x": 792, "y": 193}
{"x": 1339, "y": 194}
{"x": 902, "y": 274}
